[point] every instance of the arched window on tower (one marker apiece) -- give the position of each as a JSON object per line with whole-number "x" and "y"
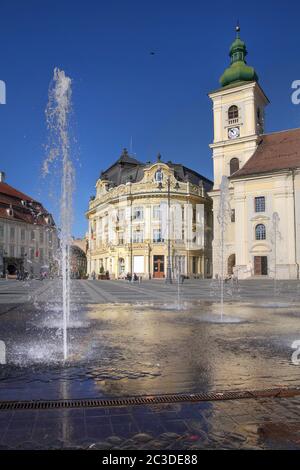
{"x": 234, "y": 165}
{"x": 233, "y": 112}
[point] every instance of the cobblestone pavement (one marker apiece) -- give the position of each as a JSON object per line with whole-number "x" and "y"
{"x": 17, "y": 292}
{"x": 264, "y": 423}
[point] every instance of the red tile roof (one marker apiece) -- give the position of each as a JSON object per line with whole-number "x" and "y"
{"x": 28, "y": 211}
{"x": 10, "y": 191}
{"x": 276, "y": 151}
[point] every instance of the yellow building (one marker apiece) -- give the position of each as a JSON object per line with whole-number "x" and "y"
{"x": 261, "y": 233}
{"x": 146, "y": 218}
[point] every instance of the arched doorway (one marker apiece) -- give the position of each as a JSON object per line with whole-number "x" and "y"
{"x": 12, "y": 269}
{"x": 231, "y": 264}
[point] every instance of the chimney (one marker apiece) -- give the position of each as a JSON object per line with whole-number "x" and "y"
{"x": 2, "y": 177}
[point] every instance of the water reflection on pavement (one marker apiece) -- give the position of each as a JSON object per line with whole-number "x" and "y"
{"x": 133, "y": 349}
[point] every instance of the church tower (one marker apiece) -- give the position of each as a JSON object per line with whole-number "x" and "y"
{"x": 238, "y": 116}
{"x": 238, "y": 113}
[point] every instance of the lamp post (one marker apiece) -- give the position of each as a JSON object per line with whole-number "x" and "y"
{"x": 169, "y": 267}
{"x": 130, "y": 229}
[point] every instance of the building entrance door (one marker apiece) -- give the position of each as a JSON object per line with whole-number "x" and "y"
{"x": 260, "y": 265}
{"x": 158, "y": 266}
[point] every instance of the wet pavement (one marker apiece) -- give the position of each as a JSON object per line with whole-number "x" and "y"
{"x": 146, "y": 339}
{"x": 147, "y": 348}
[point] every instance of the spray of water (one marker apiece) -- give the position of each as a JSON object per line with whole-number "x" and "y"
{"x": 276, "y": 236}
{"x": 223, "y": 217}
{"x": 57, "y": 115}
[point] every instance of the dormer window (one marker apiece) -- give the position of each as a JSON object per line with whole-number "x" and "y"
{"x": 10, "y": 211}
{"x": 158, "y": 176}
{"x": 233, "y": 112}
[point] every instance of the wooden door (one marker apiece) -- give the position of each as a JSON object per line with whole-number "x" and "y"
{"x": 264, "y": 265}
{"x": 257, "y": 265}
{"x": 260, "y": 265}
{"x": 158, "y": 266}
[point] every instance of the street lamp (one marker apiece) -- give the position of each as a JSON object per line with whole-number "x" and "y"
{"x": 169, "y": 267}
{"x": 129, "y": 183}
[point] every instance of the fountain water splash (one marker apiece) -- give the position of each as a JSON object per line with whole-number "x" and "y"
{"x": 178, "y": 271}
{"x": 275, "y": 238}
{"x": 57, "y": 115}
{"x": 223, "y": 218}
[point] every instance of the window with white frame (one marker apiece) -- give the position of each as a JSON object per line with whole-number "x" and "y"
{"x": 12, "y": 233}
{"x": 138, "y": 213}
{"x": 121, "y": 238}
{"x": 157, "y": 237}
{"x": 156, "y": 212}
{"x": 121, "y": 215}
{"x": 260, "y": 232}
{"x": 138, "y": 236}
{"x": 260, "y": 204}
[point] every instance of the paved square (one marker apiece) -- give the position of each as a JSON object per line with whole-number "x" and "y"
{"x": 151, "y": 338}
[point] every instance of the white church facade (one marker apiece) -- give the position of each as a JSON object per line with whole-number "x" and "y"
{"x": 261, "y": 236}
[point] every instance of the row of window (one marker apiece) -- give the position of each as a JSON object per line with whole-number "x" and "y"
{"x": 138, "y": 215}
{"x": 13, "y": 232}
{"x": 259, "y": 206}
{"x": 21, "y": 252}
{"x": 138, "y": 237}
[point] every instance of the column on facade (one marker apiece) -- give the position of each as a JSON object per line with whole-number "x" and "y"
{"x": 242, "y": 255}
{"x": 217, "y": 237}
{"x": 286, "y": 266}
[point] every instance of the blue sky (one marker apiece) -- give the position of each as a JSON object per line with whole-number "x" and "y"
{"x": 121, "y": 91}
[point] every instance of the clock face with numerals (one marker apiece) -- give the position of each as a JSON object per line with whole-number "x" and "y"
{"x": 233, "y": 132}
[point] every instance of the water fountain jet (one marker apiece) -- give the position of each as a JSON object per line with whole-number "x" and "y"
{"x": 57, "y": 115}
{"x": 223, "y": 214}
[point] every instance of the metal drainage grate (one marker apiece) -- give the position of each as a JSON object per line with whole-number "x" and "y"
{"x": 146, "y": 400}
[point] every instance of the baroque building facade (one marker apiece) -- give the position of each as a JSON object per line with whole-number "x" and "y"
{"x": 145, "y": 218}
{"x": 28, "y": 235}
{"x": 261, "y": 234}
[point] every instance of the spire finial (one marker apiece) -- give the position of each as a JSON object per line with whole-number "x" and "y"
{"x": 238, "y": 71}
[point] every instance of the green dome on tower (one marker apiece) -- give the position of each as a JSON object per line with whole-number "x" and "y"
{"x": 238, "y": 71}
